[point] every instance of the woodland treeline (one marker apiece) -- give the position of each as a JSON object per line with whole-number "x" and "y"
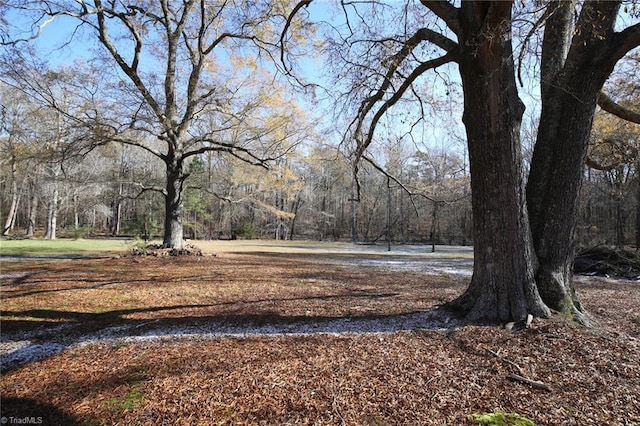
{"x": 228, "y": 149}
{"x": 307, "y": 193}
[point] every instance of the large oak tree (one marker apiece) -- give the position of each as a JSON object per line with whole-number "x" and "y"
{"x": 523, "y": 232}
{"x": 177, "y": 79}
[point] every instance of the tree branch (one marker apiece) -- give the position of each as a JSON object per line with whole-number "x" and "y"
{"x": 609, "y": 105}
{"x": 532, "y": 383}
{"x": 129, "y": 70}
{"x": 287, "y": 24}
{"x": 131, "y": 142}
{"x": 408, "y": 81}
{"x": 144, "y": 189}
{"x": 445, "y": 11}
{"x": 624, "y": 41}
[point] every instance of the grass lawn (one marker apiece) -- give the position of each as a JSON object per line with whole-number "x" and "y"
{"x": 61, "y": 247}
{"x": 304, "y": 335}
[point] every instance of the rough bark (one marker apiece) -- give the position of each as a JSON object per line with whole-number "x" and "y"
{"x": 570, "y": 85}
{"x": 174, "y": 205}
{"x": 503, "y": 286}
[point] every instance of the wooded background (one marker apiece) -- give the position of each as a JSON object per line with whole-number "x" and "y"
{"x": 60, "y": 177}
{"x": 309, "y": 193}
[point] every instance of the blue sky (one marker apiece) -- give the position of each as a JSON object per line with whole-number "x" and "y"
{"x": 54, "y": 46}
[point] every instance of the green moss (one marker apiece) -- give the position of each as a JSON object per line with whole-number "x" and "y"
{"x": 500, "y": 418}
{"x": 130, "y": 402}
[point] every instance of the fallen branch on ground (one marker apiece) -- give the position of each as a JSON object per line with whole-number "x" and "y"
{"x": 532, "y": 383}
{"x": 521, "y": 376}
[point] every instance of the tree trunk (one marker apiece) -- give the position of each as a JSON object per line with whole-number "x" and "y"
{"x": 503, "y": 286}
{"x": 571, "y": 82}
{"x": 296, "y": 207}
{"x": 354, "y": 216}
{"x": 117, "y": 211}
{"x": 76, "y": 213}
{"x": 554, "y": 185}
{"x": 33, "y": 206}
{"x": 52, "y": 212}
{"x": 52, "y": 205}
{"x": 638, "y": 207}
{"x": 13, "y": 207}
{"x": 174, "y": 206}
{"x": 434, "y": 226}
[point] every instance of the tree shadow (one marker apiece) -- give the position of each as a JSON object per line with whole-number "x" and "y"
{"x": 90, "y": 284}
{"x": 59, "y": 329}
{"x": 30, "y": 411}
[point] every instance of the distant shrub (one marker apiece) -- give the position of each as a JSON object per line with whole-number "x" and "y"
{"x": 82, "y": 232}
{"x": 246, "y": 231}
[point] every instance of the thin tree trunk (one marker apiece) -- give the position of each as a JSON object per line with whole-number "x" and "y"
{"x": 15, "y": 213}
{"x": 76, "y": 214}
{"x": 638, "y": 207}
{"x": 118, "y": 213}
{"x": 52, "y": 212}
{"x": 296, "y": 207}
{"x": 434, "y": 221}
{"x": 33, "y": 206}
{"x": 389, "y": 231}
{"x": 13, "y": 207}
{"x": 354, "y": 216}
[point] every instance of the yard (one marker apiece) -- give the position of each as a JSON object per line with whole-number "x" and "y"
{"x": 300, "y": 333}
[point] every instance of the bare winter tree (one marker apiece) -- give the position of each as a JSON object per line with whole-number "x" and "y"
{"x": 523, "y": 243}
{"x": 178, "y": 79}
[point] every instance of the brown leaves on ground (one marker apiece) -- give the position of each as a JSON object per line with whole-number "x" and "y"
{"x": 416, "y": 377}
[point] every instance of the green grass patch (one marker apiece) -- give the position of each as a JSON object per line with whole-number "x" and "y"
{"x": 61, "y": 247}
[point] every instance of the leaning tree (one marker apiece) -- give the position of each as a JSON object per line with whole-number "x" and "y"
{"x": 523, "y": 233}
{"x": 178, "y": 79}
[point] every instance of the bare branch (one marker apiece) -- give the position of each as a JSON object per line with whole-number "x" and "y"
{"x": 624, "y": 41}
{"x": 144, "y": 189}
{"x": 445, "y": 11}
{"x": 408, "y": 81}
{"x": 287, "y": 24}
{"x": 609, "y": 105}
{"x": 133, "y": 142}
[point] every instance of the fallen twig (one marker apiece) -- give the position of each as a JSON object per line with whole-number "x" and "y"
{"x": 519, "y": 377}
{"x": 506, "y": 361}
{"x": 334, "y": 406}
{"x": 532, "y": 383}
